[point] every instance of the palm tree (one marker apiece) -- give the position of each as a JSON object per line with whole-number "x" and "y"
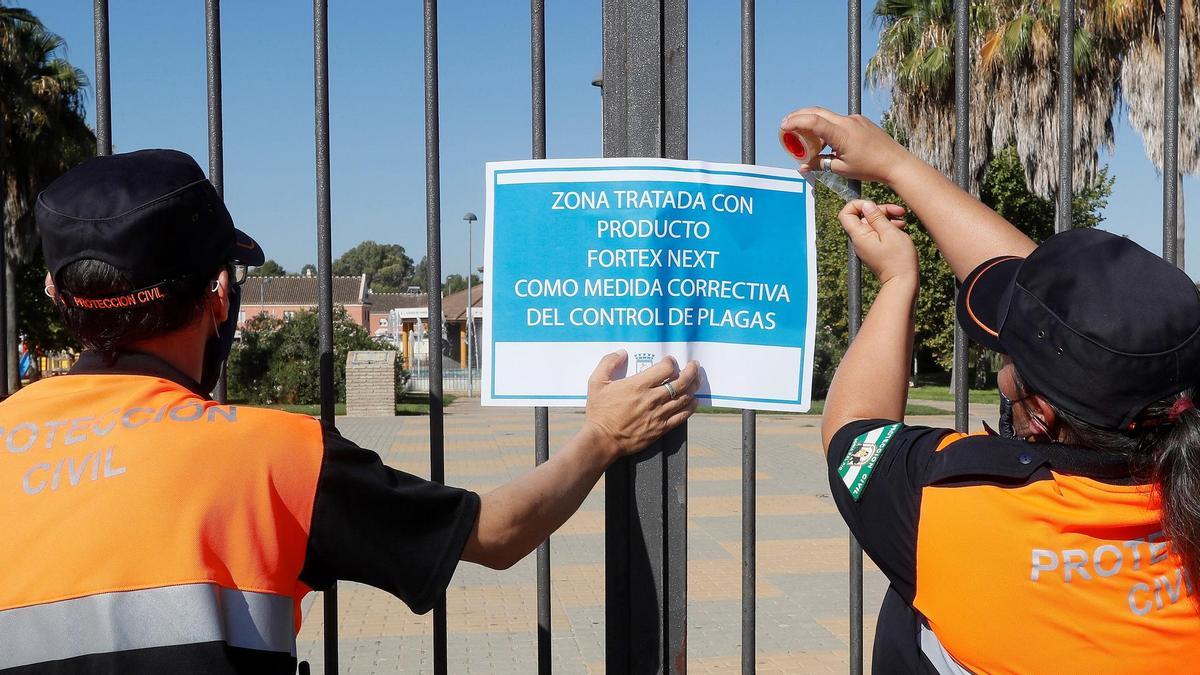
{"x": 1014, "y": 53}
{"x": 42, "y": 112}
{"x": 1142, "y": 84}
{"x": 42, "y": 133}
{"x": 915, "y": 59}
{"x": 1141, "y": 23}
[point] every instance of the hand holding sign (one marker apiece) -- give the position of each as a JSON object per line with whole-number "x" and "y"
{"x": 636, "y": 411}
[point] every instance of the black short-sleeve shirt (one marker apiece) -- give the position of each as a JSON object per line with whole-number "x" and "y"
{"x": 382, "y": 527}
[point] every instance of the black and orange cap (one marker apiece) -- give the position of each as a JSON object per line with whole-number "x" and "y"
{"x": 1094, "y": 322}
{"x": 151, "y": 214}
{"x": 982, "y": 300}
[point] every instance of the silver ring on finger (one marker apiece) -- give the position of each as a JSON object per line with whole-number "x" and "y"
{"x": 671, "y": 390}
{"x": 827, "y": 164}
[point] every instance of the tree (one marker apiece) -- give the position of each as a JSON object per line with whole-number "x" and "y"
{"x": 1142, "y": 86}
{"x": 1003, "y": 189}
{"x": 457, "y": 282}
{"x": 388, "y": 268}
{"x": 41, "y": 326}
{"x": 420, "y": 277}
{"x": 269, "y": 268}
{"x": 279, "y": 361}
{"x": 42, "y": 133}
{"x": 1141, "y": 24}
{"x": 42, "y": 114}
{"x": 1014, "y": 77}
{"x": 309, "y": 269}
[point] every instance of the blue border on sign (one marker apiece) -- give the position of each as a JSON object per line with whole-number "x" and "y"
{"x": 746, "y": 174}
{"x": 495, "y": 183}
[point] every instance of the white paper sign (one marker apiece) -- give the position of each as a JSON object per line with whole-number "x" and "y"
{"x": 712, "y": 262}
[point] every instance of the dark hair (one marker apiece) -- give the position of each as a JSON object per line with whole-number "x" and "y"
{"x": 1162, "y": 448}
{"x": 108, "y": 331}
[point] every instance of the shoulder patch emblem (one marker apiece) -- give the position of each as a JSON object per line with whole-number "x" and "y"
{"x": 862, "y": 457}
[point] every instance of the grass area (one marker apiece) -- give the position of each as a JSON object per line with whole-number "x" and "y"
{"x": 817, "y": 408}
{"x": 937, "y": 392}
{"x": 410, "y": 404}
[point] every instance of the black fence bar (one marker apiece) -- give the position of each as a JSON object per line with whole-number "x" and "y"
{"x": 324, "y": 272}
{"x": 433, "y": 237}
{"x": 103, "y": 147}
{"x": 216, "y": 134}
{"x": 1066, "y": 114}
{"x": 645, "y": 115}
{"x": 626, "y": 555}
{"x": 854, "y": 106}
{"x": 749, "y": 417}
{"x": 749, "y": 538}
{"x": 1171, "y": 133}
{"x": 854, "y": 307}
{"x": 541, "y": 448}
{"x": 962, "y": 176}
{"x": 672, "y": 494}
{"x": 541, "y": 414}
{"x": 103, "y": 107}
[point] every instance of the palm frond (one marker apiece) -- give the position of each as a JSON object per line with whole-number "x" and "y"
{"x": 41, "y": 103}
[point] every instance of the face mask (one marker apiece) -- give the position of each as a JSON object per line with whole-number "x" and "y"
{"x": 1006, "y": 417}
{"x": 217, "y": 348}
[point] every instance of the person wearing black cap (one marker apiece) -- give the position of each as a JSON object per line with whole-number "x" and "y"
{"x": 1072, "y": 546}
{"x": 147, "y": 528}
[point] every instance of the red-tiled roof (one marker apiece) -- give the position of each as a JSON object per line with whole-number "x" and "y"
{"x": 302, "y": 291}
{"x": 299, "y": 290}
{"x": 385, "y": 302}
{"x": 454, "y": 307}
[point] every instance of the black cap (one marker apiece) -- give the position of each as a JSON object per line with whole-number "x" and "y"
{"x": 151, "y": 214}
{"x": 1097, "y": 324}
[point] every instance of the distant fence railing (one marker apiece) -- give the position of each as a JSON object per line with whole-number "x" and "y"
{"x": 458, "y": 381}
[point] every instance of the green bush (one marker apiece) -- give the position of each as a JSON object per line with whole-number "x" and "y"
{"x": 279, "y": 361}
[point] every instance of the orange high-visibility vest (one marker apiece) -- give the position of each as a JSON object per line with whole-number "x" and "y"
{"x": 1071, "y": 573}
{"x": 1013, "y": 557}
{"x": 136, "y": 515}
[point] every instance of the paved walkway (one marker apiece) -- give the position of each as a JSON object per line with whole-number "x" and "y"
{"x": 802, "y": 549}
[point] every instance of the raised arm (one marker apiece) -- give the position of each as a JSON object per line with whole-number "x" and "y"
{"x": 966, "y": 231}
{"x": 872, "y": 379}
{"x": 623, "y": 416}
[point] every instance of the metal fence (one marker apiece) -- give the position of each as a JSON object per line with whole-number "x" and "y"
{"x": 458, "y": 381}
{"x": 645, "y": 114}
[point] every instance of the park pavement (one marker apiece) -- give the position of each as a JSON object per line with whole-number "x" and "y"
{"x": 802, "y": 585}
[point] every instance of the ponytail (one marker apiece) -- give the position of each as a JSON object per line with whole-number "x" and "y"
{"x": 1163, "y": 447}
{"x": 1177, "y": 480}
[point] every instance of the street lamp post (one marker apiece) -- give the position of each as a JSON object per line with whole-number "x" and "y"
{"x": 470, "y": 218}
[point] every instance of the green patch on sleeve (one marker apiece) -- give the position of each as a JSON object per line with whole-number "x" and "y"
{"x": 862, "y": 457}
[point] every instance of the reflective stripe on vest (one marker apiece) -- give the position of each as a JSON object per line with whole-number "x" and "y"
{"x": 153, "y": 617}
{"x": 135, "y": 509}
{"x": 939, "y": 658}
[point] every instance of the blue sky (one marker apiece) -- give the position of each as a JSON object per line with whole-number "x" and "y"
{"x": 377, "y": 114}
